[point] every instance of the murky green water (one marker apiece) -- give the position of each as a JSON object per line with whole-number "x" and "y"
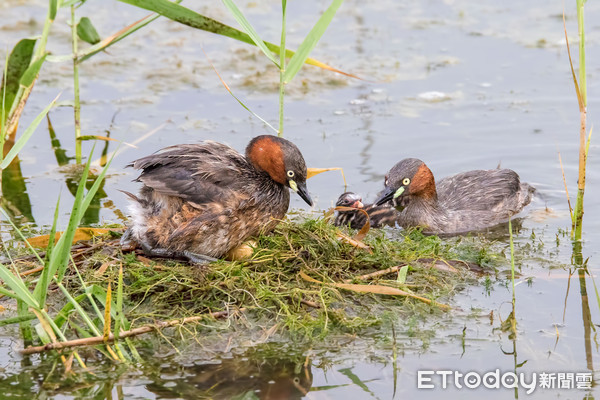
{"x": 461, "y": 85}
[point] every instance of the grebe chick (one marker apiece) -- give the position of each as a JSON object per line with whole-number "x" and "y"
{"x": 379, "y": 216}
{"x": 198, "y": 201}
{"x": 460, "y": 203}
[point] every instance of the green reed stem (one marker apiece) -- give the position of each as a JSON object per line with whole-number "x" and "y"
{"x": 582, "y": 74}
{"x": 77, "y": 104}
{"x": 512, "y": 262}
{"x": 282, "y": 68}
{"x": 3, "y": 121}
{"x": 41, "y": 47}
{"x": 578, "y": 212}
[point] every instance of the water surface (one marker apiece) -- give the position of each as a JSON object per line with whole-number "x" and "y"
{"x": 461, "y": 85}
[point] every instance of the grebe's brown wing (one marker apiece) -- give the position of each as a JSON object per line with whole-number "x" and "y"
{"x": 199, "y": 173}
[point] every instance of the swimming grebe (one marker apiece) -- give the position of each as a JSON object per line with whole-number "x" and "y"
{"x": 464, "y": 202}
{"x": 201, "y": 200}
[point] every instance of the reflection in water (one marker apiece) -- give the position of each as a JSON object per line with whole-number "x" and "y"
{"x": 581, "y": 265}
{"x": 72, "y": 177}
{"x": 59, "y": 153}
{"x": 14, "y": 198}
{"x": 252, "y": 377}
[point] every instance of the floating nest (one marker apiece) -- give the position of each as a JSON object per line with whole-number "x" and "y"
{"x": 306, "y": 279}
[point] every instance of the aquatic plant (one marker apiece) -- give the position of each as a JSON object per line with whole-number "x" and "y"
{"x": 33, "y": 304}
{"x": 581, "y": 92}
{"x": 286, "y": 72}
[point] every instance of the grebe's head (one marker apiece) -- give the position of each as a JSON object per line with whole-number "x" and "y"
{"x": 349, "y": 199}
{"x": 282, "y": 160}
{"x": 409, "y": 177}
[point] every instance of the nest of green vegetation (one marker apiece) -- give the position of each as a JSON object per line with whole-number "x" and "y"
{"x": 303, "y": 277}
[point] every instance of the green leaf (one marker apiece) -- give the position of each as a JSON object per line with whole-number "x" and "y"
{"x": 31, "y": 73}
{"x": 239, "y": 17}
{"x": 191, "y": 18}
{"x": 19, "y": 144}
{"x": 18, "y": 61}
{"x": 402, "y": 274}
{"x": 310, "y": 41}
{"x": 87, "y": 32}
{"x": 53, "y": 6}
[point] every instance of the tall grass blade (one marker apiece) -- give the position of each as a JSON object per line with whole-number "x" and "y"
{"x": 310, "y": 41}
{"x": 59, "y": 260}
{"x": 60, "y": 256}
{"x": 24, "y": 324}
{"x": 8, "y": 293}
{"x": 94, "y": 188}
{"x": 577, "y": 91}
{"x": 16, "y": 320}
{"x": 241, "y": 19}
{"x": 78, "y": 308}
{"x": 16, "y": 284}
{"x": 76, "y": 99}
{"x": 18, "y": 231}
{"x": 3, "y": 110}
{"x": 63, "y": 315}
{"x": 41, "y": 289}
{"x": 19, "y": 144}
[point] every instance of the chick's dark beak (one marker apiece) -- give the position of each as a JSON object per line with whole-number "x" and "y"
{"x": 387, "y": 195}
{"x": 303, "y": 192}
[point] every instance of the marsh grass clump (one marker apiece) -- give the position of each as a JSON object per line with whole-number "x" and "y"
{"x": 272, "y": 286}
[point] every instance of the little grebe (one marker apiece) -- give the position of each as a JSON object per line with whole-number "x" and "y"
{"x": 464, "y": 202}
{"x": 201, "y": 200}
{"x": 378, "y": 215}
